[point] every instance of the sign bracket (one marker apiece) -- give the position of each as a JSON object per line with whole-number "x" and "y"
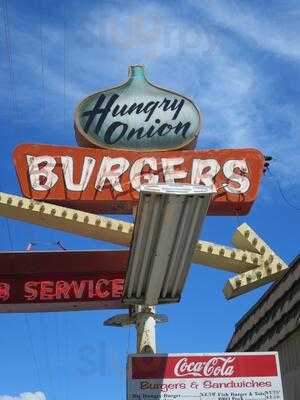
{"x": 145, "y": 320}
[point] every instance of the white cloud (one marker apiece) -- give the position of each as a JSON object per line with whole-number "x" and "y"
{"x": 275, "y": 30}
{"x": 188, "y": 54}
{"x": 25, "y": 396}
{"x": 185, "y": 52}
{"x": 148, "y": 31}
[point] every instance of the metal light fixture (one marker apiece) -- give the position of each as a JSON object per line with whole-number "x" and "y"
{"x": 168, "y": 221}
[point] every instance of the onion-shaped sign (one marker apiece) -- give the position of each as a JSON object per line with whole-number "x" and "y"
{"x": 137, "y": 116}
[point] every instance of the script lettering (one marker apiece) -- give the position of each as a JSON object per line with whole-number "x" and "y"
{"x": 215, "y": 366}
{"x": 96, "y": 118}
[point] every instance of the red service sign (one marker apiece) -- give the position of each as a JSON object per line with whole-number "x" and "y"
{"x": 62, "y": 280}
{"x": 219, "y": 376}
{"x": 108, "y": 181}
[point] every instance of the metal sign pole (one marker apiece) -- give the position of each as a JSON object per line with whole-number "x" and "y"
{"x": 145, "y": 324}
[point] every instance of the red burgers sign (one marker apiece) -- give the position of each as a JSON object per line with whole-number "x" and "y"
{"x": 109, "y": 181}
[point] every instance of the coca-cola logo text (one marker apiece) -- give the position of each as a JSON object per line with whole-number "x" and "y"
{"x": 215, "y": 366}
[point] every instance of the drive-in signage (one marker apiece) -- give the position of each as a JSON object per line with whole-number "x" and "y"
{"x": 137, "y": 116}
{"x": 62, "y": 280}
{"x": 98, "y": 180}
{"x": 132, "y": 134}
{"x": 219, "y": 376}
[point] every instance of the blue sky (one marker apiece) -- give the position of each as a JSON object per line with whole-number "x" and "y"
{"x": 239, "y": 61}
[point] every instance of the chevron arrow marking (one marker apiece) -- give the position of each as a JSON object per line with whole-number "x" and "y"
{"x": 272, "y": 266}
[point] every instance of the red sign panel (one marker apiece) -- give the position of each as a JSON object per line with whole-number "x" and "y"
{"x": 109, "y": 181}
{"x": 64, "y": 280}
{"x": 193, "y": 366}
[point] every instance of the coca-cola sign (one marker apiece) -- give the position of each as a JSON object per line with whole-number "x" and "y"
{"x": 215, "y": 366}
{"x": 219, "y": 376}
{"x": 201, "y": 366}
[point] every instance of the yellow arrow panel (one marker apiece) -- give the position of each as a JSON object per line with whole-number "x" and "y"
{"x": 225, "y": 258}
{"x": 115, "y": 231}
{"x": 253, "y": 279}
{"x": 265, "y": 267}
{"x": 272, "y": 266}
{"x": 247, "y": 239}
{"x": 65, "y": 219}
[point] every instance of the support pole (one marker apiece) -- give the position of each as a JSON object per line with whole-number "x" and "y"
{"x": 145, "y": 329}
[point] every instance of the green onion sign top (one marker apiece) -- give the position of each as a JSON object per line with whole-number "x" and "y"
{"x": 137, "y": 115}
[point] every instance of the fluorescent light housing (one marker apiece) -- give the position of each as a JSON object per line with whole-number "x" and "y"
{"x": 168, "y": 221}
